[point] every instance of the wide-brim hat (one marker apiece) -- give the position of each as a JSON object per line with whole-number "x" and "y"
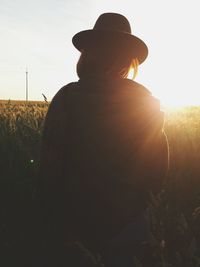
{"x": 112, "y": 29}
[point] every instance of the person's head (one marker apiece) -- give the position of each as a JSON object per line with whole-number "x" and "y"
{"x": 106, "y": 62}
{"x": 109, "y": 49}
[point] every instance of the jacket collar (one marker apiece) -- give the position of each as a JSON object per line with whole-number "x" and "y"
{"x": 112, "y": 84}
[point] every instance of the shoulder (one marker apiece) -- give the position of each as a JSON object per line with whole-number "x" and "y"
{"x": 144, "y": 96}
{"x": 63, "y": 92}
{"x": 60, "y": 98}
{"x": 58, "y": 104}
{"x": 137, "y": 87}
{"x": 57, "y": 113}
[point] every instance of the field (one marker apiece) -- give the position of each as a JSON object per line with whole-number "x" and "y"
{"x": 174, "y": 214}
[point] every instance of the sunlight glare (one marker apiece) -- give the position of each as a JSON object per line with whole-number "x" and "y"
{"x": 177, "y": 99}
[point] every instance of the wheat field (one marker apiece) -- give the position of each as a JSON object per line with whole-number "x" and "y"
{"x": 175, "y": 213}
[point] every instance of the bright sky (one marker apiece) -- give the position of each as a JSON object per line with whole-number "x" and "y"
{"x": 38, "y": 33}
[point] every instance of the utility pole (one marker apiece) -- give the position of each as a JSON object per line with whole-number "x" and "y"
{"x": 26, "y": 84}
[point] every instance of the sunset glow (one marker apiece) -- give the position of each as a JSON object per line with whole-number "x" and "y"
{"x": 37, "y": 35}
{"x": 178, "y": 99}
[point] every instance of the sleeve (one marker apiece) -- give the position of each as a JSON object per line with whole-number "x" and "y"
{"x": 52, "y": 160}
{"x": 52, "y": 177}
{"x": 154, "y": 151}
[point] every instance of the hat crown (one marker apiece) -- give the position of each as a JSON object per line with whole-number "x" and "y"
{"x": 112, "y": 22}
{"x": 111, "y": 29}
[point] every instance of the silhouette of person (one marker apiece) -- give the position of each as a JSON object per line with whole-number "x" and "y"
{"x": 103, "y": 146}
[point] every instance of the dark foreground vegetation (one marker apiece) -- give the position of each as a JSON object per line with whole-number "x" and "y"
{"x": 174, "y": 214}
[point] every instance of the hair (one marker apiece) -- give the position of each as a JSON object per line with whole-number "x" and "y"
{"x": 106, "y": 61}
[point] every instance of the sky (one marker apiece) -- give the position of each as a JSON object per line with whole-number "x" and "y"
{"x": 36, "y": 35}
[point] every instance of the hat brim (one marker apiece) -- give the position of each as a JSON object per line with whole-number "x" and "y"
{"x": 136, "y": 47}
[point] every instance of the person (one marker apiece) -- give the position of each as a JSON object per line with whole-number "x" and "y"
{"x": 103, "y": 147}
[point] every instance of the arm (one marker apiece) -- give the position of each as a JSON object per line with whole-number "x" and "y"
{"x": 53, "y": 176}
{"x": 154, "y": 153}
{"x": 53, "y": 139}
{"x": 52, "y": 161}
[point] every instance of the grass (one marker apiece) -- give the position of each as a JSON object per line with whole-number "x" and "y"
{"x": 174, "y": 213}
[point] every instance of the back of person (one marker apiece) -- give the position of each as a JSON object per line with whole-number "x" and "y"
{"x": 114, "y": 151}
{"x": 103, "y": 150}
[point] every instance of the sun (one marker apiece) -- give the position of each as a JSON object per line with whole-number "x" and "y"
{"x": 177, "y": 99}
{"x": 173, "y": 103}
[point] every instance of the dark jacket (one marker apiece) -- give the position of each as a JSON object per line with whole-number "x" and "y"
{"x": 103, "y": 150}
